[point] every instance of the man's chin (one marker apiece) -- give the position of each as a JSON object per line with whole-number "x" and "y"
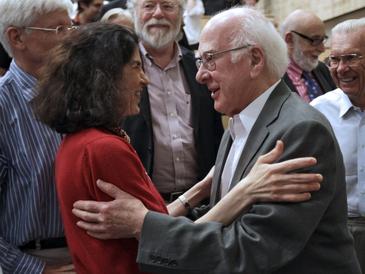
{"x": 311, "y": 65}
{"x": 157, "y": 44}
{"x": 158, "y": 39}
{"x": 305, "y": 63}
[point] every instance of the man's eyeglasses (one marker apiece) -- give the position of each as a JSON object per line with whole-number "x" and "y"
{"x": 351, "y": 59}
{"x": 314, "y": 41}
{"x": 58, "y": 30}
{"x": 166, "y": 7}
{"x": 208, "y": 58}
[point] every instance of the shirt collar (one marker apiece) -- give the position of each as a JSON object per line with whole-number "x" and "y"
{"x": 244, "y": 121}
{"x": 26, "y": 81}
{"x": 148, "y": 59}
{"x": 295, "y": 70}
{"x": 345, "y": 104}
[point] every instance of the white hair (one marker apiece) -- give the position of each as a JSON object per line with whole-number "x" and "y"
{"x": 254, "y": 28}
{"x": 289, "y": 23}
{"x": 21, "y": 13}
{"x": 349, "y": 26}
{"x": 131, "y": 5}
{"x": 118, "y": 12}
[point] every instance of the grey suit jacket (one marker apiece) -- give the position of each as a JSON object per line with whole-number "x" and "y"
{"x": 281, "y": 238}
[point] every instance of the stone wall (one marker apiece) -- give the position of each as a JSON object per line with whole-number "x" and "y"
{"x": 325, "y": 9}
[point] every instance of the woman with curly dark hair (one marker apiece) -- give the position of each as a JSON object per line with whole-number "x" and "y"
{"x": 92, "y": 81}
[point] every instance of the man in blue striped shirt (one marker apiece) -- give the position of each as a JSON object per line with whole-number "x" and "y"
{"x": 31, "y": 231}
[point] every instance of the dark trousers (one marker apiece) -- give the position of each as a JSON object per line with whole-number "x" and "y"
{"x": 357, "y": 229}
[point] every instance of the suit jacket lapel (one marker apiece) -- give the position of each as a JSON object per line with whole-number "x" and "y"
{"x": 260, "y": 130}
{"x": 289, "y": 83}
{"x": 189, "y": 68}
{"x": 145, "y": 110}
{"x": 144, "y": 104}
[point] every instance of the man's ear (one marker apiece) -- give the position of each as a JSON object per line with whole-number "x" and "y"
{"x": 15, "y": 38}
{"x": 257, "y": 62}
{"x": 288, "y": 38}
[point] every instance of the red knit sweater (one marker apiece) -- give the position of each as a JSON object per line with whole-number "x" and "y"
{"x": 83, "y": 158}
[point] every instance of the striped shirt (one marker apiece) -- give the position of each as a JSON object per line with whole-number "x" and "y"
{"x": 28, "y": 202}
{"x": 175, "y": 165}
{"x": 295, "y": 75}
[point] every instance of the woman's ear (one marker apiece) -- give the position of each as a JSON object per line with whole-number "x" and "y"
{"x": 257, "y": 62}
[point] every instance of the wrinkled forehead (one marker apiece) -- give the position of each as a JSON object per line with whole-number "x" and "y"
{"x": 352, "y": 42}
{"x": 175, "y": 2}
{"x": 52, "y": 18}
{"x": 312, "y": 28}
{"x": 207, "y": 45}
{"x": 214, "y": 37}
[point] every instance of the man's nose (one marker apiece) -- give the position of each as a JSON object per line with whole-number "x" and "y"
{"x": 342, "y": 66}
{"x": 158, "y": 12}
{"x": 202, "y": 75}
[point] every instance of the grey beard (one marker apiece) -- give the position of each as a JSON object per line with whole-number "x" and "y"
{"x": 303, "y": 62}
{"x": 159, "y": 40}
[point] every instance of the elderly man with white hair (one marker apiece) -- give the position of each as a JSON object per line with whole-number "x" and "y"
{"x": 242, "y": 59}
{"x": 31, "y": 230}
{"x": 344, "y": 108}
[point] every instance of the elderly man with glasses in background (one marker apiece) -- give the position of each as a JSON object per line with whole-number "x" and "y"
{"x": 344, "y": 108}
{"x": 31, "y": 230}
{"x": 304, "y": 34}
{"x": 177, "y": 132}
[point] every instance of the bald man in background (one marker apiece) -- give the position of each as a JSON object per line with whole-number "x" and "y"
{"x": 304, "y": 34}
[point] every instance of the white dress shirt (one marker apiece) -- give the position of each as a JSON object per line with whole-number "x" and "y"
{"x": 240, "y": 126}
{"x": 192, "y": 22}
{"x": 348, "y": 123}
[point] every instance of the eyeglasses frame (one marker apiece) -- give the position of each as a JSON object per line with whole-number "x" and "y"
{"x": 341, "y": 59}
{"x": 174, "y": 8}
{"x": 211, "y": 56}
{"x": 313, "y": 41}
{"x": 55, "y": 30}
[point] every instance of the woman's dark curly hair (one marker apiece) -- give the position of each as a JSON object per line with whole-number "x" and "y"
{"x": 80, "y": 85}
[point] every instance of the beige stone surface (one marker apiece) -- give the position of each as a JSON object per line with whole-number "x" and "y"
{"x": 331, "y": 12}
{"x": 327, "y": 10}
